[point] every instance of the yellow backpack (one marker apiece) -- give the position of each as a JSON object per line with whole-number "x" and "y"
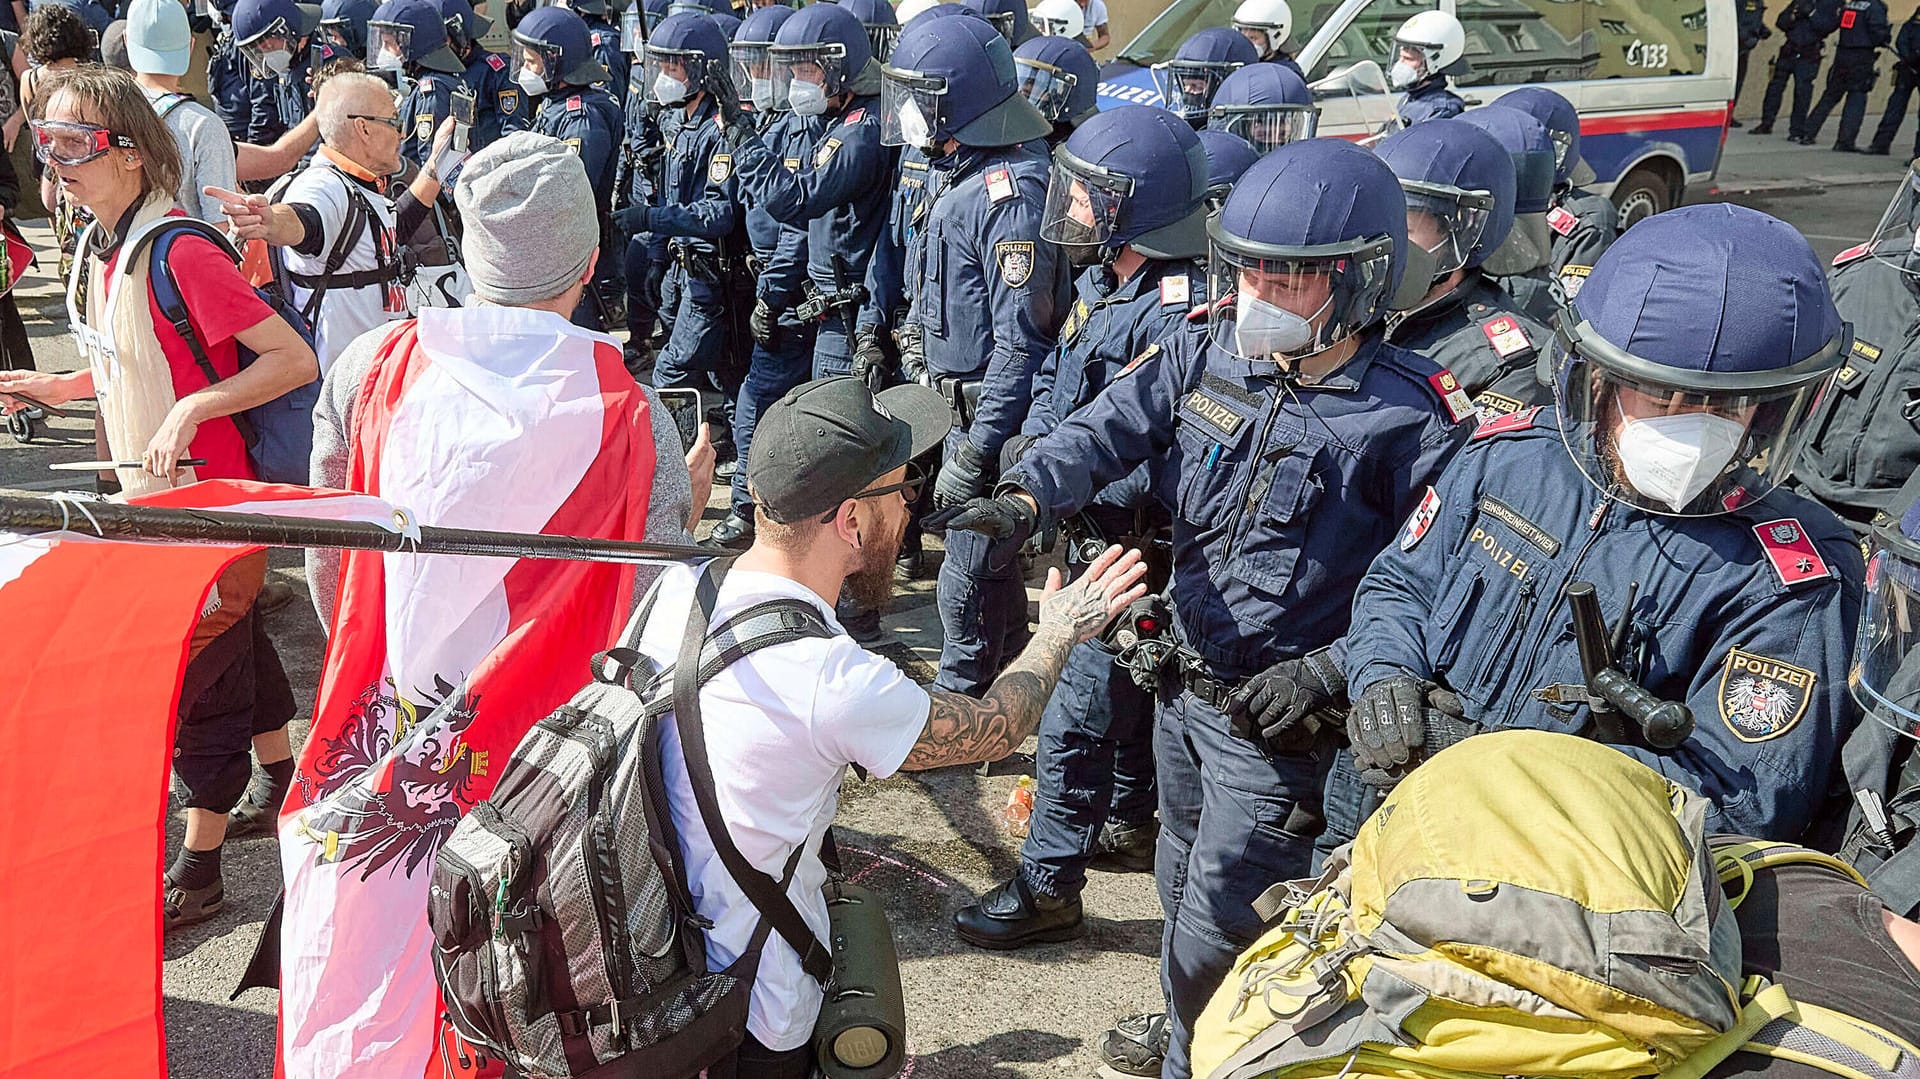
{"x": 1524, "y": 904}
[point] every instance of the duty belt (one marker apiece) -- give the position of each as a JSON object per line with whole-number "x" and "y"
{"x": 1199, "y": 680}
{"x": 962, "y": 393}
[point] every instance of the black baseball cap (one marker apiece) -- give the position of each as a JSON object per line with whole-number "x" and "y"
{"x": 829, "y": 439}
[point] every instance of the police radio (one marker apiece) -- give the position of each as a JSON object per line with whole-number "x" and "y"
{"x": 1141, "y": 640}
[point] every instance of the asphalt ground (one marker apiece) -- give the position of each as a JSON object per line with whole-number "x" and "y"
{"x": 928, "y": 843}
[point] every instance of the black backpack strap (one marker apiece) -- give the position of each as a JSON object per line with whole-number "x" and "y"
{"x": 767, "y": 895}
{"x": 358, "y": 215}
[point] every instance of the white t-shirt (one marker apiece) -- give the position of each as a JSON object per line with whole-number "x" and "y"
{"x": 345, "y": 313}
{"x": 206, "y": 151}
{"x": 782, "y": 725}
{"x": 1096, "y": 13}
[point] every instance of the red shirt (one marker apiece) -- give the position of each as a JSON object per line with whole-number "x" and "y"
{"x": 220, "y": 304}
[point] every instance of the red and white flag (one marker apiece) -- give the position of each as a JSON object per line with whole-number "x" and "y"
{"x": 485, "y": 417}
{"x": 95, "y": 651}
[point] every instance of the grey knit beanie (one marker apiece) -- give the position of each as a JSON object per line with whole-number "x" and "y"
{"x": 530, "y": 218}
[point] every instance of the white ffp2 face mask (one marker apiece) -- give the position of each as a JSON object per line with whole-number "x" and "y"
{"x": 762, "y": 94}
{"x": 1671, "y": 459}
{"x": 1404, "y": 75}
{"x": 914, "y": 130}
{"x": 668, "y": 90}
{"x": 277, "y": 62}
{"x": 1261, "y": 329}
{"x": 806, "y": 98}
{"x": 388, "y": 60}
{"x": 532, "y": 83}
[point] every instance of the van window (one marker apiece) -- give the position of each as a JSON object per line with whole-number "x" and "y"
{"x": 1172, "y": 27}
{"x": 1643, "y": 40}
{"x": 1368, "y": 37}
{"x": 1517, "y": 42}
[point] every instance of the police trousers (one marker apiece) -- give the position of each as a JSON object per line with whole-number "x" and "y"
{"x": 1095, "y": 764}
{"x": 1850, "y": 78}
{"x": 698, "y": 338}
{"x": 833, "y": 346}
{"x": 646, "y": 271}
{"x": 772, "y": 370}
{"x": 1801, "y": 70}
{"x": 1896, "y": 114}
{"x": 1347, "y": 803}
{"x": 983, "y": 606}
{"x": 1231, "y": 826}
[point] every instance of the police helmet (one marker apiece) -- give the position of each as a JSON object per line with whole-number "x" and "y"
{"x": 344, "y": 23}
{"x": 752, "y": 66}
{"x": 1007, "y": 16}
{"x": 954, "y": 78}
{"x": 883, "y": 27}
{"x": 261, "y": 27}
{"x": 1886, "y": 657}
{"x": 823, "y": 46}
{"x": 1059, "y": 18}
{"x": 1685, "y": 367}
{"x": 585, "y": 7}
{"x": 727, "y": 21}
{"x": 1530, "y": 245}
{"x": 1266, "y": 104}
{"x": 1271, "y": 19}
{"x": 1188, "y": 81}
{"x": 686, "y": 54}
{"x": 1308, "y": 247}
{"x": 1060, "y": 77}
{"x": 1459, "y": 190}
{"x": 464, "y": 26}
{"x": 404, "y": 32}
{"x": 564, "y": 44}
{"x": 1227, "y": 157}
{"x": 1132, "y": 175}
{"x": 699, "y": 7}
{"x": 1438, "y": 41}
{"x": 1562, "y": 122}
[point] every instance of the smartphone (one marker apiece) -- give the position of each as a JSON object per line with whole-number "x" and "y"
{"x": 687, "y": 409}
{"x": 464, "y": 107}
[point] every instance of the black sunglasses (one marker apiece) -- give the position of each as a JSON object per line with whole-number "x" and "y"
{"x": 391, "y": 121}
{"x": 909, "y": 489}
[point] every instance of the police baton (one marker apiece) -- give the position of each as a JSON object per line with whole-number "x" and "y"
{"x": 1610, "y": 693}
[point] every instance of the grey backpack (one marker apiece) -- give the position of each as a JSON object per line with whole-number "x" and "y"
{"x": 566, "y": 939}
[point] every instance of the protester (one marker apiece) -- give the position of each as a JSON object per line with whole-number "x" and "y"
{"x": 160, "y": 48}
{"x": 55, "y": 40}
{"x": 832, "y": 474}
{"x": 112, "y": 155}
{"x": 341, "y": 204}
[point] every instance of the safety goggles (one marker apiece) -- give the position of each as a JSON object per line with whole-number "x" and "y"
{"x": 69, "y": 143}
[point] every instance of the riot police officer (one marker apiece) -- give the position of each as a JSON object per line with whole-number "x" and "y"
{"x": 1188, "y": 82}
{"x": 1459, "y": 184}
{"x": 1654, "y": 478}
{"x": 409, "y": 39}
{"x": 1268, "y": 24}
{"x": 1528, "y": 247}
{"x": 1007, "y": 16}
{"x": 882, "y": 26}
{"x": 229, "y": 82}
{"x": 271, "y": 36}
{"x": 1266, "y": 104}
{"x": 1285, "y": 437}
{"x": 1863, "y": 31}
{"x": 1062, "y": 80}
{"x": 1127, "y": 202}
{"x": 987, "y": 300}
{"x": 687, "y": 62}
{"x": 343, "y": 23}
{"x": 499, "y": 106}
{"x": 1059, "y": 18}
{"x": 644, "y": 260}
{"x": 1752, "y": 22}
{"x": 1906, "y": 78}
{"x": 605, "y": 40}
{"x": 1427, "y": 48}
{"x": 1228, "y": 156}
{"x": 1806, "y": 24}
{"x": 1866, "y": 430}
{"x": 1581, "y": 222}
{"x": 553, "y": 63}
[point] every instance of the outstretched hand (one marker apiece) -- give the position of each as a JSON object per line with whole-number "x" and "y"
{"x": 1083, "y": 608}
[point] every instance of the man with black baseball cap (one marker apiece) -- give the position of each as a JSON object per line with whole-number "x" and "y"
{"x": 832, "y": 473}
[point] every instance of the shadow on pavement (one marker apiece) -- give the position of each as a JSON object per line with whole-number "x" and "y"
{"x": 981, "y": 1059}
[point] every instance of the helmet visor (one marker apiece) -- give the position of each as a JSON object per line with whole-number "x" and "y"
{"x": 1003, "y": 22}
{"x": 1267, "y": 127}
{"x": 1083, "y": 201}
{"x": 1886, "y": 662}
{"x": 277, "y": 37}
{"x": 1048, "y": 26}
{"x": 671, "y": 76}
{"x": 632, "y": 40}
{"x": 389, "y": 44}
{"x": 752, "y": 71}
{"x": 1447, "y": 221}
{"x": 910, "y": 108}
{"x": 1896, "y": 239}
{"x": 881, "y": 38}
{"x": 1294, "y": 306}
{"x": 822, "y": 65}
{"x": 1676, "y": 449}
{"x": 1188, "y": 86}
{"x": 1048, "y": 87}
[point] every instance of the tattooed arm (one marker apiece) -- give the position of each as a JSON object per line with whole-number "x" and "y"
{"x": 964, "y": 730}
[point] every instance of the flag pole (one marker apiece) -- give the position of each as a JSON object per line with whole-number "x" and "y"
{"x": 27, "y": 513}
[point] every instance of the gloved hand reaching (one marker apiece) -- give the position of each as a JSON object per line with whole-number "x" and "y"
{"x": 1278, "y": 707}
{"x": 1006, "y": 517}
{"x": 761, "y": 323}
{"x": 870, "y": 362}
{"x": 1400, "y": 721}
{"x": 633, "y": 219}
{"x": 963, "y": 475}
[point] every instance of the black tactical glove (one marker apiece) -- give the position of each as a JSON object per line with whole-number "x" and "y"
{"x": 1006, "y": 517}
{"x": 870, "y": 362}
{"x": 1285, "y": 705}
{"x": 963, "y": 476}
{"x": 633, "y": 219}
{"x": 913, "y": 352}
{"x": 1388, "y": 722}
{"x": 761, "y": 322}
{"x": 1441, "y": 723}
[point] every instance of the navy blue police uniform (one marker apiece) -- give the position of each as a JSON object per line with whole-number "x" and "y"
{"x": 1807, "y": 24}
{"x": 1906, "y": 78}
{"x": 1864, "y": 30}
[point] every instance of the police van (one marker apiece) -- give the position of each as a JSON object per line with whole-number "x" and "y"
{"x": 1653, "y": 79}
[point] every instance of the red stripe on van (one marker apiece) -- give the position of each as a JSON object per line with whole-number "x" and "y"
{"x": 1658, "y": 121}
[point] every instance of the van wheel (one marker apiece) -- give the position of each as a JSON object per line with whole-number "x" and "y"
{"x": 1645, "y": 192}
